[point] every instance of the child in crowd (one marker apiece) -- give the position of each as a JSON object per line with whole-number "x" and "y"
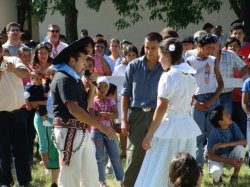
{"x": 112, "y": 94}
{"x": 246, "y": 107}
{"x": 184, "y": 171}
{"x": 225, "y": 146}
{"x": 114, "y": 48}
{"x": 105, "y": 110}
{"x": 130, "y": 53}
{"x": 49, "y": 153}
{"x": 34, "y": 91}
{"x": 206, "y": 96}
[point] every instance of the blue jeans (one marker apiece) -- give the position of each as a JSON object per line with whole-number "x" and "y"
{"x": 226, "y": 102}
{"x": 202, "y": 120}
{"x": 111, "y": 147}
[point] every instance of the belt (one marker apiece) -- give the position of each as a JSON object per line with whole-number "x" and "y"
{"x": 73, "y": 125}
{"x": 69, "y": 123}
{"x": 226, "y": 93}
{"x": 144, "y": 109}
{"x": 205, "y": 95}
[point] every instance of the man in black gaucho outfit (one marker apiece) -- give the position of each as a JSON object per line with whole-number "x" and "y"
{"x": 78, "y": 165}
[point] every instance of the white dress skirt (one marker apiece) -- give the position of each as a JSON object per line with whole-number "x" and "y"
{"x": 177, "y": 131}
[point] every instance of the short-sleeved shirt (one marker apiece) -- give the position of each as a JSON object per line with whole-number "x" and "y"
{"x": 229, "y": 61}
{"x": 65, "y": 88}
{"x": 105, "y": 106}
{"x": 11, "y": 87}
{"x": 140, "y": 84}
{"x": 120, "y": 70}
{"x": 218, "y": 135}
{"x": 205, "y": 76}
{"x": 246, "y": 88}
{"x": 13, "y": 49}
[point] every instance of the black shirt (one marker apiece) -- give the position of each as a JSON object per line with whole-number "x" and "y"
{"x": 37, "y": 93}
{"x": 65, "y": 88}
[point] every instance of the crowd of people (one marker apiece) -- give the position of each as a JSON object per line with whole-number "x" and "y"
{"x": 172, "y": 113}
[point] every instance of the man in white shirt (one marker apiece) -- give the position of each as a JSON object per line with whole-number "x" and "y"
{"x": 53, "y": 35}
{"x": 13, "y": 134}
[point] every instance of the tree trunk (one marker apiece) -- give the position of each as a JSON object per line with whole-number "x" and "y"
{"x": 71, "y": 23}
{"x": 246, "y": 18}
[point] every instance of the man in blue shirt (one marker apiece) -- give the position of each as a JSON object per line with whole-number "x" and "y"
{"x": 225, "y": 145}
{"x": 245, "y": 101}
{"x": 139, "y": 93}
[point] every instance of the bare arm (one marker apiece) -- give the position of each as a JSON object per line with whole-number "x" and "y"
{"x": 111, "y": 115}
{"x": 124, "y": 115}
{"x": 81, "y": 115}
{"x": 244, "y": 70}
{"x": 244, "y": 102}
{"x": 162, "y": 105}
{"x": 20, "y": 72}
{"x": 106, "y": 67}
{"x": 242, "y": 142}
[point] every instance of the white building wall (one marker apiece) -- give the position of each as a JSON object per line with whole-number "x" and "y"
{"x": 8, "y": 12}
{"x": 103, "y": 22}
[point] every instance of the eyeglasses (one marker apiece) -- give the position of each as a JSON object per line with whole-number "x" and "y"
{"x": 14, "y": 30}
{"x": 54, "y": 31}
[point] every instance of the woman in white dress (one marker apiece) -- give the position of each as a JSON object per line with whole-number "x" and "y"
{"x": 172, "y": 129}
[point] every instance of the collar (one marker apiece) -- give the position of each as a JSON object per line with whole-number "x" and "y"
{"x": 184, "y": 68}
{"x": 66, "y": 68}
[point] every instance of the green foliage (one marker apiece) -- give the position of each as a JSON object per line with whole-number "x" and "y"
{"x": 175, "y": 13}
{"x": 40, "y": 7}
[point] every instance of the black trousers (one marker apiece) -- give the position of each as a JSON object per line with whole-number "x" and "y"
{"x": 13, "y": 145}
{"x": 31, "y": 132}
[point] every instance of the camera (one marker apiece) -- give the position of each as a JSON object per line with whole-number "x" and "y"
{"x": 4, "y": 65}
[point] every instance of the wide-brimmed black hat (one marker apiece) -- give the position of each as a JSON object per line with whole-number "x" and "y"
{"x": 75, "y": 46}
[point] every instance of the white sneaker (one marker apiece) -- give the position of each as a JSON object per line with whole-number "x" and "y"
{"x": 46, "y": 123}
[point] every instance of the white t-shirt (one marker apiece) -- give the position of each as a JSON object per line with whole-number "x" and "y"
{"x": 205, "y": 76}
{"x": 11, "y": 88}
{"x": 119, "y": 70}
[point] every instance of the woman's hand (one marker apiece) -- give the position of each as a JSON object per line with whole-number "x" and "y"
{"x": 147, "y": 141}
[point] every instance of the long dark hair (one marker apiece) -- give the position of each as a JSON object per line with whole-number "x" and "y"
{"x": 35, "y": 60}
{"x": 183, "y": 171}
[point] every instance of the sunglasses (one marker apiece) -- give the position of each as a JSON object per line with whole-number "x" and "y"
{"x": 14, "y": 30}
{"x": 54, "y": 31}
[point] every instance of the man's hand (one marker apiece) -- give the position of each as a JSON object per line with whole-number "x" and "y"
{"x": 125, "y": 127}
{"x": 201, "y": 106}
{"x": 110, "y": 132}
{"x": 219, "y": 145}
{"x": 235, "y": 163}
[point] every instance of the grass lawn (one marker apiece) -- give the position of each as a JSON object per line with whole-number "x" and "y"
{"x": 40, "y": 179}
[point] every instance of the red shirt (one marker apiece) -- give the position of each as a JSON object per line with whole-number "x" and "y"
{"x": 244, "y": 52}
